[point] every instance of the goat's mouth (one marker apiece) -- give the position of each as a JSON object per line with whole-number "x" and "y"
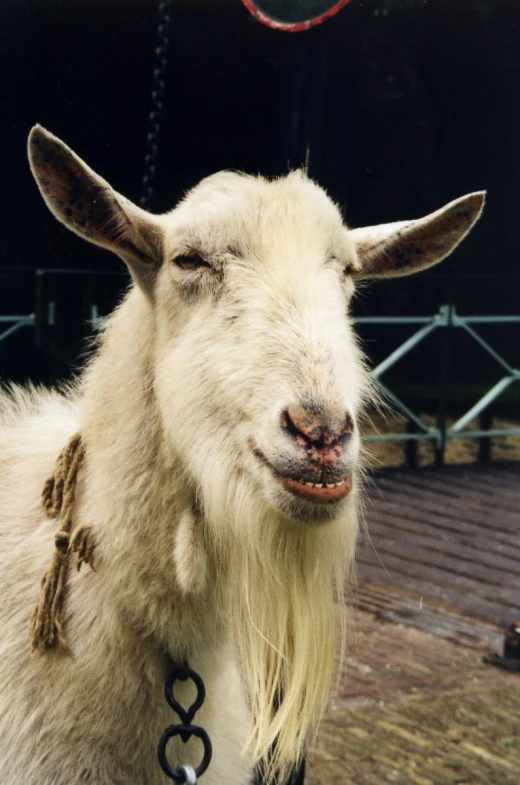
{"x": 319, "y": 491}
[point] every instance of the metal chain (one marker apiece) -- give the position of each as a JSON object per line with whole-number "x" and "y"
{"x": 184, "y": 729}
{"x": 159, "y": 73}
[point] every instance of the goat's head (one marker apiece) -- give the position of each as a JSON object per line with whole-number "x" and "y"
{"x": 259, "y": 384}
{"x": 257, "y": 368}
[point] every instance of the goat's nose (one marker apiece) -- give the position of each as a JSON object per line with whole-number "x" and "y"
{"x": 316, "y": 426}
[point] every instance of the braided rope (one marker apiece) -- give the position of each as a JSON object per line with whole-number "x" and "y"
{"x": 46, "y": 626}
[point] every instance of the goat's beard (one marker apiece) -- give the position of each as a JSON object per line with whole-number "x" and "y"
{"x": 282, "y": 589}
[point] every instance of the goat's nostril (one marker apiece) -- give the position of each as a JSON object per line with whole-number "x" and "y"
{"x": 296, "y": 426}
{"x": 286, "y": 421}
{"x": 348, "y": 428}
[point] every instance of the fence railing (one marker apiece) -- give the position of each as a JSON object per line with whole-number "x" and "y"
{"x": 447, "y": 319}
{"x": 15, "y": 323}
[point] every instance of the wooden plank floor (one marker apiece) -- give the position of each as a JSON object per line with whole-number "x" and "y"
{"x": 446, "y": 537}
{"x": 414, "y": 709}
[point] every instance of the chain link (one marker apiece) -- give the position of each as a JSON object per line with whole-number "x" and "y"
{"x": 158, "y": 85}
{"x": 184, "y": 729}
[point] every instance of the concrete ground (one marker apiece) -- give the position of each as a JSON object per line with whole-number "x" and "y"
{"x": 418, "y": 709}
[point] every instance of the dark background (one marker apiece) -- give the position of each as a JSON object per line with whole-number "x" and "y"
{"x": 405, "y": 104}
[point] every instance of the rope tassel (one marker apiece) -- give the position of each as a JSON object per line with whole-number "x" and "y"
{"x": 46, "y": 627}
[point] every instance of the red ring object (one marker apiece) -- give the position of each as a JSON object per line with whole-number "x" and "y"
{"x": 294, "y": 27}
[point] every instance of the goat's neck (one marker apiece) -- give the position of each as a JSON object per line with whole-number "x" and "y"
{"x": 133, "y": 491}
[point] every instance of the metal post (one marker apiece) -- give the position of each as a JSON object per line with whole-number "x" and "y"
{"x": 411, "y": 446}
{"x": 484, "y": 446}
{"x": 442, "y": 409}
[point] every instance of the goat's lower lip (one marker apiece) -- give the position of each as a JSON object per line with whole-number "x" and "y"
{"x": 317, "y": 493}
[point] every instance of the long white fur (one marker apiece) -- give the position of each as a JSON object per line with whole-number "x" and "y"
{"x": 198, "y": 555}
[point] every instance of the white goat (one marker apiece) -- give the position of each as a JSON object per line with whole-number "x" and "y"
{"x": 219, "y": 417}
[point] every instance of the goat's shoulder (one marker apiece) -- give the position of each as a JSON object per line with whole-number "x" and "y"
{"x": 35, "y": 423}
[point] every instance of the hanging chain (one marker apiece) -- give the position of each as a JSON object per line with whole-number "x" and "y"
{"x": 159, "y": 73}
{"x": 184, "y": 729}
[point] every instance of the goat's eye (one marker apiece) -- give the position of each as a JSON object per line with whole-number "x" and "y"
{"x": 191, "y": 262}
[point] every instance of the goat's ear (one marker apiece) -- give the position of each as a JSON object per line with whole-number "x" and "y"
{"x": 88, "y": 205}
{"x": 407, "y": 247}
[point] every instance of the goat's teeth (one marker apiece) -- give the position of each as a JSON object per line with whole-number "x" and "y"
{"x": 323, "y": 484}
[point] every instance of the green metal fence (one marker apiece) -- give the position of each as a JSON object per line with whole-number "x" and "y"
{"x": 15, "y": 323}
{"x": 447, "y": 319}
